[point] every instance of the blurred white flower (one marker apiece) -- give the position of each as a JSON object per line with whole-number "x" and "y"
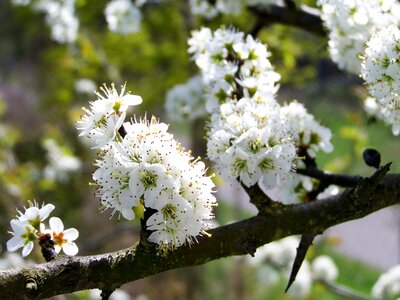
{"x": 11, "y": 260}
{"x": 61, "y": 163}
{"x": 210, "y": 10}
{"x": 123, "y": 17}
{"x": 85, "y": 86}
{"x": 388, "y": 285}
{"x": 324, "y": 268}
{"x": 302, "y": 286}
{"x": 60, "y": 16}
{"x": 95, "y": 294}
{"x": 186, "y": 101}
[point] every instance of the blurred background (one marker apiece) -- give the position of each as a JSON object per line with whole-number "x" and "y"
{"x": 44, "y": 84}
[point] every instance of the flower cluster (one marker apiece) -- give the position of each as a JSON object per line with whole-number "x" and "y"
{"x": 141, "y": 165}
{"x": 381, "y": 72}
{"x": 185, "y": 101}
{"x": 122, "y": 16}
{"x": 232, "y": 66}
{"x": 350, "y": 24}
{"x": 60, "y": 16}
{"x": 251, "y": 137}
{"x": 249, "y": 140}
{"x": 28, "y": 227}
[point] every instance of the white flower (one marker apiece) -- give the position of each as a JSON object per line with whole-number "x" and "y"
{"x": 11, "y": 260}
{"x": 34, "y": 215}
{"x": 123, "y": 17}
{"x": 106, "y": 115}
{"x": 24, "y": 236}
{"x": 209, "y": 11}
{"x": 279, "y": 254}
{"x": 248, "y": 140}
{"x": 388, "y": 285}
{"x": 112, "y": 179}
{"x": 219, "y": 56}
{"x": 60, "y": 162}
{"x": 148, "y": 168}
{"x": 64, "y": 239}
{"x": 380, "y": 70}
{"x": 351, "y": 23}
{"x": 185, "y": 101}
{"x": 85, "y": 86}
{"x": 324, "y": 268}
{"x": 264, "y": 2}
{"x": 302, "y": 285}
{"x": 309, "y": 134}
{"x": 61, "y": 17}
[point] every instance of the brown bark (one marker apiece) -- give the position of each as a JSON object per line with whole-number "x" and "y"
{"x": 111, "y": 270}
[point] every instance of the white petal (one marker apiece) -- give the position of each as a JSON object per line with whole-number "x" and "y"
{"x": 31, "y": 213}
{"x": 57, "y": 248}
{"x": 46, "y": 210}
{"x": 70, "y": 249}
{"x": 132, "y": 99}
{"x": 15, "y": 243}
{"x": 128, "y": 213}
{"x": 71, "y": 234}
{"x": 18, "y": 227}
{"x": 56, "y": 224}
{"x": 27, "y": 249}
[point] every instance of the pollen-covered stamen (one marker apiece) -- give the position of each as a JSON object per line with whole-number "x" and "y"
{"x": 58, "y": 238}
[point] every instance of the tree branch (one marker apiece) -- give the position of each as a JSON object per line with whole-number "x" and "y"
{"x": 328, "y": 178}
{"x": 304, "y": 17}
{"x": 111, "y": 270}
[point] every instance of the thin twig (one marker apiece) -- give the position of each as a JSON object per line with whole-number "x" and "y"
{"x": 336, "y": 179}
{"x": 343, "y": 291}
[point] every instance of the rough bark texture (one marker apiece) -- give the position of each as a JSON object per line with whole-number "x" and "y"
{"x": 111, "y": 270}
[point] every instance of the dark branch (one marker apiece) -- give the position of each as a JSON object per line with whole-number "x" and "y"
{"x": 328, "y": 178}
{"x": 110, "y": 271}
{"x": 305, "y": 17}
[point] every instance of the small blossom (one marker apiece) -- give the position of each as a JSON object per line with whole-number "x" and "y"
{"x": 106, "y": 115}
{"x": 64, "y": 239}
{"x": 123, "y": 17}
{"x": 24, "y": 236}
{"x": 323, "y": 268}
{"x": 185, "y": 101}
{"x": 34, "y": 215}
{"x": 310, "y": 136}
{"x": 61, "y": 163}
